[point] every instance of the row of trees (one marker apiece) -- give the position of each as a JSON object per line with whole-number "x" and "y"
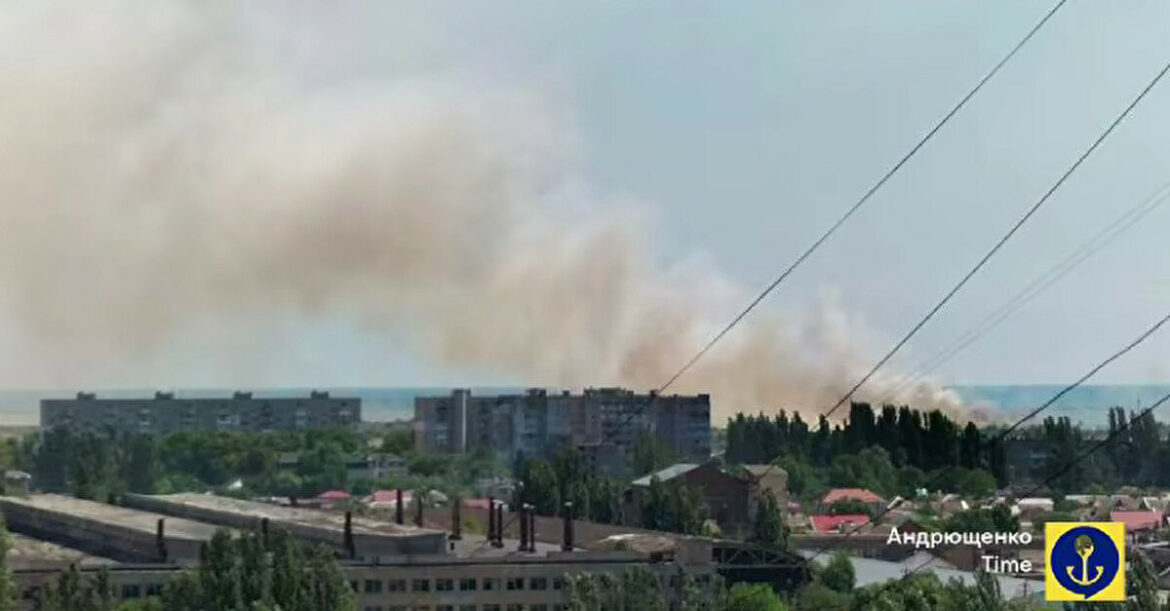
{"x": 640, "y": 590}
{"x": 98, "y": 466}
{"x": 1135, "y": 454}
{"x": 924, "y": 440}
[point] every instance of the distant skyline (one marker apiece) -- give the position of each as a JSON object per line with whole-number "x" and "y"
{"x": 730, "y": 135}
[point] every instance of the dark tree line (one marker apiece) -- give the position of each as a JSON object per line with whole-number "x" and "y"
{"x": 1135, "y": 453}
{"x": 923, "y": 440}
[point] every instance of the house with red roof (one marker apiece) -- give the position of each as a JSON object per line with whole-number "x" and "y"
{"x": 826, "y": 525}
{"x": 860, "y": 495}
{"x": 1139, "y": 524}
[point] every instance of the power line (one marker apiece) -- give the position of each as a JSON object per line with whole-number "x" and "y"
{"x": 1075, "y": 461}
{"x": 1056, "y": 397}
{"x": 1037, "y": 286}
{"x": 1002, "y": 240}
{"x": 864, "y": 198}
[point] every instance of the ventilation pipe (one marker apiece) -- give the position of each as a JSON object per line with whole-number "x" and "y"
{"x": 398, "y": 506}
{"x": 567, "y": 540}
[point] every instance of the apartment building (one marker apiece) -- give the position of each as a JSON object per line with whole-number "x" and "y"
{"x": 604, "y": 423}
{"x": 165, "y": 414}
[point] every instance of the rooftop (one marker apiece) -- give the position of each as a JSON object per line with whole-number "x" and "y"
{"x": 27, "y": 553}
{"x": 668, "y": 473}
{"x": 835, "y": 524}
{"x": 850, "y": 494}
{"x": 289, "y": 515}
{"x": 133, "y": 519}
{"x": 1138, "y": 520}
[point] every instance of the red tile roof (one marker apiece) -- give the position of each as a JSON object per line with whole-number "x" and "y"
{"x": 334, "y": 495}
{"x": 834, "y": 524}
{"x": 1137, "y": 520}
{"x": 850, "y": 494}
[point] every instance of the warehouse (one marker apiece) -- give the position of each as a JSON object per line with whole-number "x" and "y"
{"x": 115, "y": 532}
{"x": 370, "y": 540}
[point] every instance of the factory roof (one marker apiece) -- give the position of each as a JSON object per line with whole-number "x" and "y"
{"x": 25, "y": 553}
{"x": 289, "y": 515}
{"x": 133, "y": 519}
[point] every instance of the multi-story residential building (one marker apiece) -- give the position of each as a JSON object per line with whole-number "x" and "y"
{"x": 165, "y": 414}
{"x": 604, "y": 423}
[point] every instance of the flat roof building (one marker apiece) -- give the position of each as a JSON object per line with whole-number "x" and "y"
{"x": 165, "y": 414}
{"x": 372, "y": 540}
{"x": 115, "y": 532}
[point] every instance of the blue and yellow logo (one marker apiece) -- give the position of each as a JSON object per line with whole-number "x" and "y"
{"x": 1084, "y": 561}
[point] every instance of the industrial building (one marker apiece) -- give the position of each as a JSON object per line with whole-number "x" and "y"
{"x": 165, "y": 414}
{"x": 367, "y": 540}
{"x": 604, "y": 423}
{"x": 105, "y": 530}
{"x": 462, "y": 574}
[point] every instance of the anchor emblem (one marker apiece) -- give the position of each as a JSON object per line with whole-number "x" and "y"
{"x": 1085, "y": 551}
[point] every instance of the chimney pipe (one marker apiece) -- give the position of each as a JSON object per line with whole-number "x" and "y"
{"x": 350, "y": 548}
{"x": 532, "y": 528}
{"x": 398, "y": 506}
{"x": 499, "y": 524}
{"x": 160, "y": 539}
{"x": 456, "y": 519}
{"x": 567, "y": 542}
{"x": 491, "y": 533}
{"x": 523, "y": 527}
{"x": 418, "y": 508}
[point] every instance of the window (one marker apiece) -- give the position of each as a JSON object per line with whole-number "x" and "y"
{"x": 558, "y": 583}
{"x": 538, "y": 583}
{"x": 467, "y": 584}
{"x": 445, "y": 608}
{"x": 515, "y": 583}
{"x": 354, "y": 586}
{"x": 541, "y": 607}
{"x": 373, "y": 586}
{"x": 396, "y": 585}
{"x": 444, "y": 585}
{"x": 466, "y": 607}
{"x": 420, "y": 585}
{"x": 490, "y": 583}
{"x": 491, "y": 608}
{"x": 154, "y": 589}
{"x": 131, "y": 590}
{"x": 515, "y": 607}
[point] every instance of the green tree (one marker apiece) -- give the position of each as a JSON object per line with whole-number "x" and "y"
{"x": 650, "y": 455}
{"x": 7, "y": 587}
{"x": 635, "y": 590}
{"x": 769, "y": 527}
{"x": 838, "y": 574}
{"x": 260, "y": 572}
{"x": 816, "y": 596}
{"x": 755, "y": 597}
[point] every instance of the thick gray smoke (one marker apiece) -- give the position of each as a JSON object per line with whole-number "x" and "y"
{"x": 165, "y": 174}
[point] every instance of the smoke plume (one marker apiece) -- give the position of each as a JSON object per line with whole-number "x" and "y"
{"x": 166, "y": 172}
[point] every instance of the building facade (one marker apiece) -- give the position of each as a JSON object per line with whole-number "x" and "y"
{"x": 604, "y": 423}
{"x": 165, "y": 414}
